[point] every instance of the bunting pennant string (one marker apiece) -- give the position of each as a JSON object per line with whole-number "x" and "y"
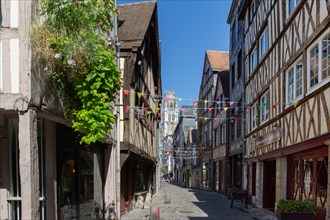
{"x": 195, "y": 101}
{"x": 225, "y": 105}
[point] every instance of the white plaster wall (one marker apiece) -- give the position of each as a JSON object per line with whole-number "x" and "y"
{"x": 14, "y": 65}
{"x": 14, "y": 13}
{"x": 1, "y": 72}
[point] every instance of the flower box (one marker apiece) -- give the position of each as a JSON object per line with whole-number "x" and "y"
{"x": 290, "y": 209}
{"x": 295, "y": 215}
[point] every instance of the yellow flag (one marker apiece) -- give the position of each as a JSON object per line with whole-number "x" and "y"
{"x": 295, "y": 104}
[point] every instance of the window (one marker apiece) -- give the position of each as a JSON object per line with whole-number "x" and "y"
{"x": 233, "y": 75}
{"x": 253, "y": 60}
{"x": 14, "y": 168}
{"x": 252, "y": 11}
{"x": 239, "y": 65}
{"x": 232, "y": 126}
{"x": 209, "y": 141}
{"x": 264, "y": 107}
{"x": 223, "y": 134}
{"x": 294, "y": 83}
{"x": 239, "y": 123}
{"x": 233, "y": 35}
{"x": 1, "y": 19}
{"x": 263, "y": 43}
{"x": 290, "y": 5}
{"x": 217, "y": 137}
{"x": 254, "y": 116}
{"x": 218, "y": 105}
{"x": 319, "y": 62}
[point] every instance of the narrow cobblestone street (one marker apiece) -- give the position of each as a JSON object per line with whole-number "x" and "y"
{"x": 192, "y": 204}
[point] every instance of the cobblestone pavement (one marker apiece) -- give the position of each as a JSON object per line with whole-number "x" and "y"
{"x": 192, "y": 204}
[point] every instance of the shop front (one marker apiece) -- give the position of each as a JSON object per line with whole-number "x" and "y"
{"x": 308, "y": 177}
{"x": 79, "y": 178}
{"x": 206, "y": 170}
{"x": 236, "y": 168}
{"x": 219, "y": 164}
{"x": 138, "y": 180}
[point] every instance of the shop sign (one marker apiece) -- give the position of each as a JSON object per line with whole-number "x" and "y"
{"x": 268, "y": 138}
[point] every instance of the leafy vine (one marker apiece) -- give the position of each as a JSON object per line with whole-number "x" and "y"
{"x": 71, "y": 39}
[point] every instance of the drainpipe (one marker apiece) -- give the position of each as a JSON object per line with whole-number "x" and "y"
{"x": 118, "y": 168}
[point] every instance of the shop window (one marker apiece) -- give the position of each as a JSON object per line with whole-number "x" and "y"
{"x": 15, "y": 178}
{"x": 294, "y": 83}
{"x": 318, "y": 59}
{"x": 139, "y": 181}
{"x": 309, "y": 177}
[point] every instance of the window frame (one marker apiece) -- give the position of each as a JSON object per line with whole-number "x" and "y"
{"x": 287, "y": 7}
{"x": 254, "y": 116}
{"x": 264, "y": 110}
{"x": 252, "y": 11}
{"x": 320, "y": 80}
{"x": 265, "y": 36}
{"x": 253, "y": 57}
{"x": 294, "y": 68}
{"x": 223, "y": 134}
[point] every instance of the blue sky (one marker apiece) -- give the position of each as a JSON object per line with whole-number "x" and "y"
{"x": 186, "y": 30}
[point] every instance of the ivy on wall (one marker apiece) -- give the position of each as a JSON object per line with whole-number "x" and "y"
{"x": 71, "y": 41}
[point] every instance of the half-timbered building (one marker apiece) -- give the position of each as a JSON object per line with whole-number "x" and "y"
{"x": 215, "y": 63}
{"x": 220, "y": 131}
{"x": 287, "y": 47}
{"x": 236, "y": 150}
{"x": 44, "y": 172}
{"x": 141, "y": 97}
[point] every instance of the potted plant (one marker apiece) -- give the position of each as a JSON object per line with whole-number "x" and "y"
{"x": 237, "y": 193}
{"x": 291, "y": 209}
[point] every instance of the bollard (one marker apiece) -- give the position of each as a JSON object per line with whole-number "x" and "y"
{"x": 167, "y": 199}
{"x": 154, "y": 213}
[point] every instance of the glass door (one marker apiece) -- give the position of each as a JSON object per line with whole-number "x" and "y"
{"x": 67, "y": 197}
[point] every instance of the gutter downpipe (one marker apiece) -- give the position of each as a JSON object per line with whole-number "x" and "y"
{"x": 118, "y": 168}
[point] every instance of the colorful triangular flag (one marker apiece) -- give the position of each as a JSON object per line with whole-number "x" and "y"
{"x": 295, "y": 104}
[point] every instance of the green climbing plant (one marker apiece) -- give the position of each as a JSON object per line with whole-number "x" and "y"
{"x": 71, "y": 39}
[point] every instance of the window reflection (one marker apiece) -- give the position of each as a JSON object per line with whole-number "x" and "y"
{"x": 309, "y": 179}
